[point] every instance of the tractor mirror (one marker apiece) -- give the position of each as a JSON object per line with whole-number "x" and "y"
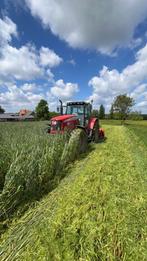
{"x": 58, "y": 110}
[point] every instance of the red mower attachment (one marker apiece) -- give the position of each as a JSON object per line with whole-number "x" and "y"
{"x": 101, "y": 133}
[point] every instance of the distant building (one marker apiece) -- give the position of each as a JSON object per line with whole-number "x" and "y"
{"x": 24, "y": 112}
{"x": 23, "y": 115}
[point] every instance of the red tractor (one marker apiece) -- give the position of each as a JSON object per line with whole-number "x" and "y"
{"x": 78, "y": 115}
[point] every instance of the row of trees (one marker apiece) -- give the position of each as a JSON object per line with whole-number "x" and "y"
{"x": 120, "y": 109}
{"x": 100, "y": 112}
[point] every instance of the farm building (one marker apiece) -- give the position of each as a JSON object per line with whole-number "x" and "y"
{"x": 22, "y": 115}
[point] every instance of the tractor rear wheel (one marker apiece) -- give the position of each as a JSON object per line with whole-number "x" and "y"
{"x": 78, "y": 143}
{"x": 80, "y": 139}
{"x": 96, "y": 132}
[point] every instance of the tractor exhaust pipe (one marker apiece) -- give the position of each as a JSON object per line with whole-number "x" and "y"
{"x": 61, "y": 107}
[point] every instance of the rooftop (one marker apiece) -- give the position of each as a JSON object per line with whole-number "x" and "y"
{"x": 16, "y": 116}
{"x": 78, "y": 103}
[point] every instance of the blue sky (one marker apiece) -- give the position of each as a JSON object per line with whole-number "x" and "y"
{"x": 73, "y": 50}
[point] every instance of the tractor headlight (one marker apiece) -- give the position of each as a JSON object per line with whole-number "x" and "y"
{"x": 56, "y": 125}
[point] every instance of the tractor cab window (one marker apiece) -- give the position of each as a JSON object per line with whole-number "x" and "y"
{"x": 75, "y": 109}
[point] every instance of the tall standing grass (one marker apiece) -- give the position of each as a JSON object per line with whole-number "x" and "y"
{"x": 32, "y": 163}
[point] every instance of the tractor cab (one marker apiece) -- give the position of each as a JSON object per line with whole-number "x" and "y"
{"x": 81, "y": 109}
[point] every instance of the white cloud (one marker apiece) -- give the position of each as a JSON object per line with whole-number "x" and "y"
{"x": 28, "y": 87}
{"x": 102, "y": 25}
{"x": 26, "y": 62}
{"x": 16, "y": 98}
{"x": 140, "y": 91}
{"x": 20, "y": 64}
{"x": 110, "y": 83}
{"x": 134, "y": 43}
{"x": 49, "y": 58}
{"x": 72, "y": 61}
{"x": 23, "y": 64}
{"x": 49, "y": 75}
{"x": 29, "y": 94}
{"x": 64, "y": 90}
{"x": 7, "y": 30}
{"x": 12, "y": 96}
{"x": 142, "y": 104}
{"x": 61, "y": 90}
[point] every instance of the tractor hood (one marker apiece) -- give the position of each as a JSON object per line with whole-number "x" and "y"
{"x": 63, "y": 117}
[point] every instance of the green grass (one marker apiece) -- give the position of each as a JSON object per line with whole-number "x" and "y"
{"x": 139, "y": 128}
{"x": 127, "y": 122}
{"x": 110, "y": 122}
{"x": 32, "y": 164}
{"x": 140, "y": 131}
{"x": 98, "y": 212}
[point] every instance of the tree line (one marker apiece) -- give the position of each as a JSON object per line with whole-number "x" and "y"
{"x": 120, "y": 109}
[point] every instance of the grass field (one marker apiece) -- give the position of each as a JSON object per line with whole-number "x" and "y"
{"x": 97, "y": 212}
{"x": 127, "y": 122}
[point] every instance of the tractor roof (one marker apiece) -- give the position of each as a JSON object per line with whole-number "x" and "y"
{"x": 77, "y": 103}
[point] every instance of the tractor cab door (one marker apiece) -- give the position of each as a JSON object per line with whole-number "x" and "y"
{"x": 88, "y": 108}
{"x": 80, "y": 114}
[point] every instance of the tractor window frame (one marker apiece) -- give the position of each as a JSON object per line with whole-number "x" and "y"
{"x": 88, "y": 110}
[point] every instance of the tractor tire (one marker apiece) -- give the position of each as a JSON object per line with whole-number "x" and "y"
{"x": 96, "y": 132}
{"x": 80, "y": 140}
{"x": 77, "y": 144}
